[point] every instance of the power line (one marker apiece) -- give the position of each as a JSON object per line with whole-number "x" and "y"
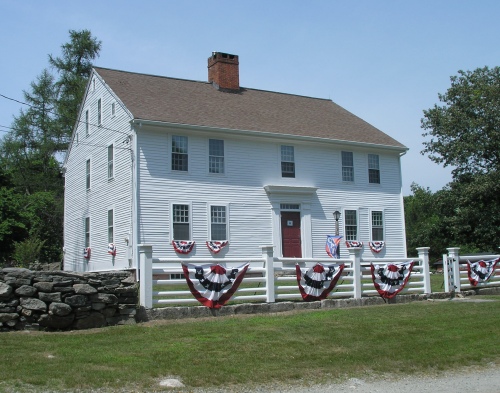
{"x": 49, "y": 111}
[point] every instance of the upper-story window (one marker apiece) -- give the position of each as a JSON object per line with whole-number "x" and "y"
{"x": 215, "y": 156}
{"x": 377, "y": 226}
{"x": 287, "y": 161}
{"x": 347, "y": 166}
{"x": 110, "y": 226}
{"x": 180, "y": 222}
{"x": 87, "y": 124}
{"x": 110, "y": 162}
{"x": 99, "y": 112}
{"x": 113, "y": 109}
{"x": 87, "y": 174}
{"x": 373, "y": 169}
{"x": 351, "y": 225}
{"x": 218, "y": 223}
{"x": 179, "y": 153}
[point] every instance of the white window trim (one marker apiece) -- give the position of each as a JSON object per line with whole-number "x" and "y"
{"x": 357, "y": 222}
{"x": 87, "y": 122}
{"x": 113, "y": 109}
{"x": 89, "y": 160}
{"x": 107, "y": 160}
{"x": 383, "y": 223}
{"x": 368, "y": 169}
{"x": 171, "y": 221}
{"x": 170, "y": 144}
{"x": 294, "y": 161}
{"x": 342, "y": 169}
{"x": 209, "y": 219}
{"x": 99, "y": 123}
{"x": 85, "y": 232}
{"x": 208, "y": 158}
{"x": 112, "y": 208}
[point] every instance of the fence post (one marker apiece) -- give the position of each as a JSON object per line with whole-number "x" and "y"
{"x": 355, "y": 257}
{"x": 453, "y": 253}
{"x": 268, "y": 257}
{"x": 145, "y": 252}
{"x": 447, "y": 273}
{"x": 423, "y": 255}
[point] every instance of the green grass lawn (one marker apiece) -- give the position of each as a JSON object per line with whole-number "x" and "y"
{"x": 309, "y": 345}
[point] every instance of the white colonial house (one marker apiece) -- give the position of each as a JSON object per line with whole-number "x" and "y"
{"x": 157, "y": 160}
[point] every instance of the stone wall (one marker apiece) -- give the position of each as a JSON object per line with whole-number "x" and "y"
{"x": 57, "y": 300}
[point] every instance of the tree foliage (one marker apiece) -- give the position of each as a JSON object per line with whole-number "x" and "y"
{"x": 465, "y": 131}
{"x": 31, "y": 184}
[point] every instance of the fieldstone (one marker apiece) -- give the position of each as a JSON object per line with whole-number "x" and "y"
{"x": 56, "y": 322}
{"x": 104, "y": 298}
{"x": 22, "y": 281}
{"x": 50, "y": 297}
{"x": 84, "y": 289}
{"x": 5, "y": 290}
{"x": 61, "y": 282}
{"x": 98, "y": 306}
{"x": 94, "y": 320}
{"x": 33, "y": 304}
{"x": 108, "y": 312}
{"x": 6, "y": 317}
{"x": 64, "y": 290}
{"x": 25, "y": 290}
{"x": 76, "y": 300}
{"x": 44, "y": 286}
{"x": 59, "y": 309}
{"x": 127, "y": 300}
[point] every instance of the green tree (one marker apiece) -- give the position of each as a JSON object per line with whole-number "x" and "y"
{"x": 465, "y": 131}
{"x": 74, "y": 68}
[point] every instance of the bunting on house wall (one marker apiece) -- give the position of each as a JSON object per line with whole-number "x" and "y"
{"x": 111, "y": 249}
{"x": 86, "y": 252}
{"x": 377, "y": 246}
{"x": 481, "y": 271}
{"x": 216, "y": 246}
{"x": 318, "y": 281}
{"x": 213, "y": 285}
{"x": 183, "y": 246}
{"x": 332, "y": 244}
{"x": 353, "y": 243}
{"x": 391, "y": 278}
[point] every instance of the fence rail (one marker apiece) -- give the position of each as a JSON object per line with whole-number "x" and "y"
{"x": 269, "y": 278}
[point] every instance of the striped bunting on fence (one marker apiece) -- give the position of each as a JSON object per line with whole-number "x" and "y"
{"x": 318, "y": 281}
{"x": 213, "y": 285}
{"x": 481, "y": 271}
{"x": 391, "y": 278}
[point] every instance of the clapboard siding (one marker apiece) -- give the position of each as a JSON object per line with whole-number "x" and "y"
{"x": 251, "y": 164}
{"x": 105, "y": 194}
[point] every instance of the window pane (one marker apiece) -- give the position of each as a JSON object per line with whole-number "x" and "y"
{"x": 373, "y": 168}
{"x": 99, "y": 115}
{"x": 218, "y": 223}
{"x": 287, "y": 161}
{"x": 347, "y": 166}
{"x": 87, "y": 129}
{"x": 181, "y": 222}
{"x": 377, "y": 226}
{"x": 179, "y": 153}
{"x": 216, "y": 156}
{"x": 87, "y": 174}
{"x": 351, "y": 225}
{"x": 110, "y": 161}
{"x": 87, "y": 231}
{"x": 181, "y": 232}
{"x": 110, "y": 226}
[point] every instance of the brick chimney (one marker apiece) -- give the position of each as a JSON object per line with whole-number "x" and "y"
{"x": 223, "y": 71}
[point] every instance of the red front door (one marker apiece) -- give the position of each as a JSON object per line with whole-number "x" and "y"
{"x": 290, "y": 234}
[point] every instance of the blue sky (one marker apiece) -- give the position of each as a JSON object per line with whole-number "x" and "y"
{"x": 385, "y": 61}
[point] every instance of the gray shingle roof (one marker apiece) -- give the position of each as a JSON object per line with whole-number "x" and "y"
{"x": 181, "y": 101}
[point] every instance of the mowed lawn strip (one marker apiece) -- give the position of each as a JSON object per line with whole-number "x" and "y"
{"x": 309, "y": 345}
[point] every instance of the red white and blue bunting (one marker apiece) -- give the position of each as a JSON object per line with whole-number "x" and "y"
{"x": 183, "y": 246}
{"x": 86, "y": 252}
{"x": 216, "y": 246}
{"x": 332, "y": 245}
{"x": 317, "y": 282}
{"x": 391, "y": 278}
{"x": 353, "y": 243}
{"x": 112, "y": 249}
{"x": 377, "y": 246}
{"x": 481, "y": 271}
{"x": 213, "y": 285}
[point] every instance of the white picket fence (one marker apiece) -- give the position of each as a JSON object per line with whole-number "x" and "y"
{"x": 455, "y": 271}
{"x": 269, "y": 278}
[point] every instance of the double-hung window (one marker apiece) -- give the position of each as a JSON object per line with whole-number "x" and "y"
{"x": 373, "y": 169}
{"x": 110, "y": 162}
{"x": 215, "y": 156}
{"x": 287, "y": 161}
{"x": 180, "y": 222}
{"x": 351, "y": 225}
{"x": 99, "y": 112}
{"x": 110, "y": 226}
{"x": 87, "y": 232}
{"x": 377, "y": 226}
{"x": 347, "y": 166}
{"x": 179, "y": 153}
{"x": 87, "y": 125}
{"x": 218, "y": 223}
{"x": 87, "y": 174}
